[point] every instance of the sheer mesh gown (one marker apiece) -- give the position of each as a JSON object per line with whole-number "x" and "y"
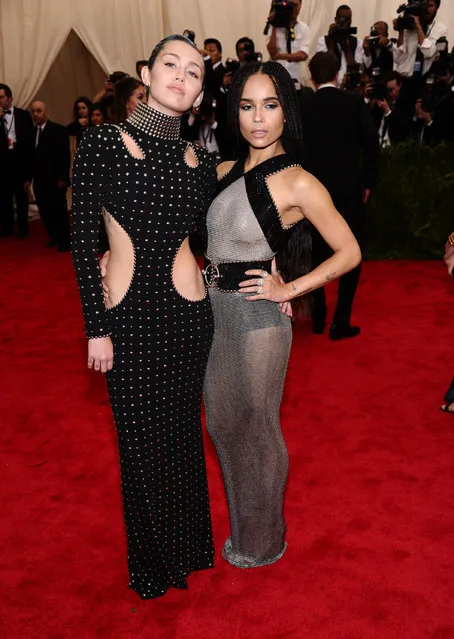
{"x": 161, "y": 340}
{"x": 247, "y": 365}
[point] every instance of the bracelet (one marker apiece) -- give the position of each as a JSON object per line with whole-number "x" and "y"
{"x": 451, "y": 239}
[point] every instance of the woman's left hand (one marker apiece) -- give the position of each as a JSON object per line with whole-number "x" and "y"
{"x": 266, "y": 286}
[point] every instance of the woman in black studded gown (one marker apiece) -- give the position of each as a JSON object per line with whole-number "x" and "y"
{"x": 259, "y": 219}
{"x": 154, "y": 339}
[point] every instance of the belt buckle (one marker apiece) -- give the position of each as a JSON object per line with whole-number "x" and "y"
{"x": 211, "y": 275}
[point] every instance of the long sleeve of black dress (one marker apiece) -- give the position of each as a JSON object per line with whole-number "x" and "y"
{"x": 93, "y": 170}
{"x": 161, "y": 339}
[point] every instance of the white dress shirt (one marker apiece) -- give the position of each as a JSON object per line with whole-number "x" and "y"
{"x": 360, "y": 56}
{"x": 300, "y": 43}
{"x": 405, "y": 55}
{"x": 10, "y": 128}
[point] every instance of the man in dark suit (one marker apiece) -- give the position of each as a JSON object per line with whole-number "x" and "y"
{"x": 51, "y": 176}
{"x": 214, "y": 68}
{"x": 16, "y": 129}
{"x": 341, "y": 150}
{"x": 393, "y": 115}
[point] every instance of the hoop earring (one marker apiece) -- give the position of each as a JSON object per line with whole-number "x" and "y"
{"x": 198, "y": 102}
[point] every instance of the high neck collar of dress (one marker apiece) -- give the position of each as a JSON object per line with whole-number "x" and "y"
{"x": 155, "y": 123}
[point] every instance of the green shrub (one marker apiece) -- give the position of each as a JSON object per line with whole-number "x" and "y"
{"x": 411, "y": 212}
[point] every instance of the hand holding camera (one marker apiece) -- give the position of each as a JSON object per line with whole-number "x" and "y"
{"x": 384, "y": 106}
{"x": 413, "y": 15}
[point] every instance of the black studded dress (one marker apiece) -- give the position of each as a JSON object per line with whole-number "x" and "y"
{"x": 161, "y": 340}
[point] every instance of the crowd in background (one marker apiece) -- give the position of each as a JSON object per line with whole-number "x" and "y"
{"x": 406, "y": 82}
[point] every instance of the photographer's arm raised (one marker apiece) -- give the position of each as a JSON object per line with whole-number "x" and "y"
{"x": 298, "y": 56}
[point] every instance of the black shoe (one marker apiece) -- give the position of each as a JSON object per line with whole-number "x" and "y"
{"x": 343, "y": 332}
{"x": 63, "y": 249}
{"x": 6, "y": 233}
{"x": 318, "y": 326}
{"x": 51, "y": 243}
{"x": 23, "y": 233}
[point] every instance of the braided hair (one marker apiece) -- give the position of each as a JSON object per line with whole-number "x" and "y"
{"x": 294, "y": 260}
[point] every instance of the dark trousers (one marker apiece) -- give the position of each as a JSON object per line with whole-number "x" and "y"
{"x": 353, "y": 211}
{"x": 449, "y": 396}
{"x": 53, "y": 211}
{"x": 12, "y": 188}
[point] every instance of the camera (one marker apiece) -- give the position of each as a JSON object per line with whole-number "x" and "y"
{"x": 374, "y": 39}
{"x": 435, "y": 86}
{"x": 377, "y": 89}
{"x": 206, "y": 109}
{"x": 410, "y": 9}
{"x": 231, "y": 66}
{"x": 249, "y": 53}
{"x": 374, "y": 36}
{"x": 341, "y": 30}
{"x": 190, "y": 35}
{"x": 283, "y": 12}
{"x": 354, "y": 78}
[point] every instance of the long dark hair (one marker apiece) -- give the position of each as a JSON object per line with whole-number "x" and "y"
{"x": 85, "y": 101}
{"x": 294, "y": 260}
{"x": 123, "y": 90}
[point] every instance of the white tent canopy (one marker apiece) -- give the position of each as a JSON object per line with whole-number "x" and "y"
{"x": 119, "y": 32}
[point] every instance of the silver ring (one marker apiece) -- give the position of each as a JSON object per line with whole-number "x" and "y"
{"x": 265, "y": 275}
{"x": 259, "y": 290}
{"x": 260, "y": 281}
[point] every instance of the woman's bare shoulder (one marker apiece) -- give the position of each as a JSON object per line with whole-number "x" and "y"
{"x": 224, "y": 168}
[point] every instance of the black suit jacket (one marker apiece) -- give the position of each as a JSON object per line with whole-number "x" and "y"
{"x": 213, "y": 79}
{"x": 399, "y": 123}
{"x": 23, "y": 149}
{"x": 52, "y": 158}
{"x": 384, "y": 60}
{"x": 340, "y": 143}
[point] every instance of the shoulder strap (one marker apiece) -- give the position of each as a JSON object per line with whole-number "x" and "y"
{"x": 231, "y": 176}
{"x": 262, "y": 202}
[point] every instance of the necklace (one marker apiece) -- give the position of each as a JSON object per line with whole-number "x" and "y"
{"x": 155, "y": 123}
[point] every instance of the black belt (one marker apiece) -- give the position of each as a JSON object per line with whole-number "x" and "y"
{"x": 226, "y": 276}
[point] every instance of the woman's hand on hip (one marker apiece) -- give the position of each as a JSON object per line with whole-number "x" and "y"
{"x": 100, "y": 354}
{"x": 266, "y": 286}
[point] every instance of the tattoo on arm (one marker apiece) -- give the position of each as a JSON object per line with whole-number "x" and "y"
{"x": 330, "y": 277}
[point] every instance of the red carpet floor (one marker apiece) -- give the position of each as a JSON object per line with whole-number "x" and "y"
{"x": 370, "y": 506}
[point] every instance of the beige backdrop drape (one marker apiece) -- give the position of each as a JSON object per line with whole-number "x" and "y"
{"x": 116, "y": 33}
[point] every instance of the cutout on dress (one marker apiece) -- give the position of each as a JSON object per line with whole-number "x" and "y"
{"x": 122, "y": 262}
{"x": 132, "y": 147}
{"x": 190, "y": 157}
{"x": 187, "y": 279}
{"x": 285, "y": 227}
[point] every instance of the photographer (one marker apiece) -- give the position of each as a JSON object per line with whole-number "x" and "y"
{"x": 201, "y": 126}
{"x": 288, "y": 38}
{"x": 214, "y": 69}
{"x": 245, "y": 51}
{"x": 434, "y": 112}
{"x": 393, "y": 114}
{"x": 346, "y": 47}
{"x": 378, "y": 48}
{"x": 419, "y": 31}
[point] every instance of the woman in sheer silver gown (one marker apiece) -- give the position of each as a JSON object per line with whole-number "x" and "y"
{"x": 258, "y": 219}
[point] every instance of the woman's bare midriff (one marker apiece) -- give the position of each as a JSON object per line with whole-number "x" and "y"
{"x": 186, "y": 276}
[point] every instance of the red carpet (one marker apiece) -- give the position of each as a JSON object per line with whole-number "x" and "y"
{"x": 370, "y": 506}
